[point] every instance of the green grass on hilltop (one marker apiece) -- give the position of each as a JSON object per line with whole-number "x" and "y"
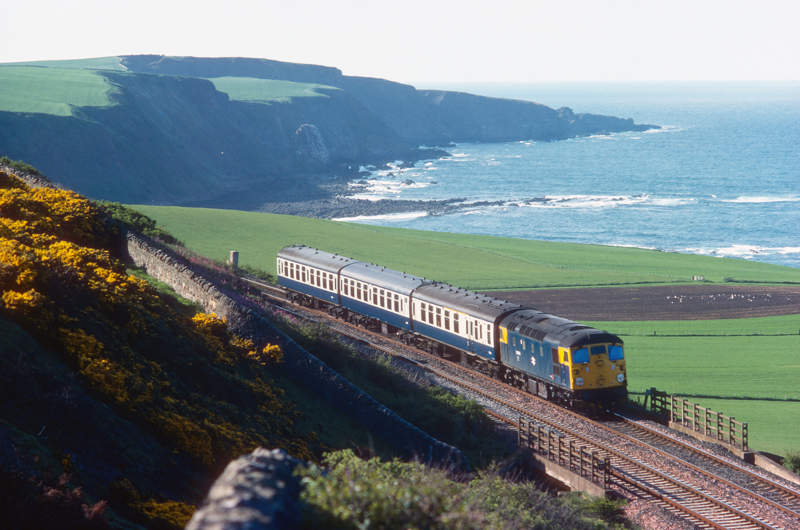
{"x": 95, "y": 63}
{"x": 470, "y": 261}
{"x": 753, "y": 369}
{"x": 55, "y": 91}
{"x": 266, "y": 90}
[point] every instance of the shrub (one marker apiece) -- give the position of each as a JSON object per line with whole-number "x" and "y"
{"x": 352, "y": 493}
{"x": 792, "y": 461}
{"x": 137, "y": 222}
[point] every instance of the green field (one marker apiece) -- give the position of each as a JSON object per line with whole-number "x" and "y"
{"x": 266, "y": 90}
{"x": 753, "y": 369}
{"x": 55, "y": 91}
{"x": 726, "y": 357}
{"x": 96, "y": 63}
{"x": 469, "y": 261}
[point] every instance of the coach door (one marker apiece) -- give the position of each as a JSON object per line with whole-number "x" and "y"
{"x": 470, "y": 334}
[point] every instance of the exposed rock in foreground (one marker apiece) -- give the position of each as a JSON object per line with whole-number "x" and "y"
{"x": 255, "y": 491}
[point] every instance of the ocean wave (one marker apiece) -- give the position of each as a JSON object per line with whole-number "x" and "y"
{"x": 751, "y": 200}
{"x": 390, "y": 216}
{"x": 743, "y": 251}
{"x": 603, "y": 201}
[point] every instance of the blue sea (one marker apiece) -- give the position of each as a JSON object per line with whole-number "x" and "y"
{"x": 721, "y": 178}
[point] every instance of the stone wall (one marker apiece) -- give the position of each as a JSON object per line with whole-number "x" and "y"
{"x": 298, "y": 363}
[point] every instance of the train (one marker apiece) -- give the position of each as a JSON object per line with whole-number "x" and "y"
{"x": 576, "y": 366}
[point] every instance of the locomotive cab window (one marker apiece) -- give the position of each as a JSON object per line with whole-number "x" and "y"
{"x": 615, "y": 353}
{"x": 580, "y": 356}
{"x": 597, "y": 350}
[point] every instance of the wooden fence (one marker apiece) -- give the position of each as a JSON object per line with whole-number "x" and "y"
{"x": 712, "y": 424}
{"x": 565, "y": 453}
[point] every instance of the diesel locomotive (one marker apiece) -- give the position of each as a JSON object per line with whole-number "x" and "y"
{"x": 558, "y": 359}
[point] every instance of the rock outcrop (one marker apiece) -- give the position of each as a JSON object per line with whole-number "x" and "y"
{"x": 256, "y": 491}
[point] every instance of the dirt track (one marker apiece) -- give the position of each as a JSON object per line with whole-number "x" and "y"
{"x": 678, "y": 302}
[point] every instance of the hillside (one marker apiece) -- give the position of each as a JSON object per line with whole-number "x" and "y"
{"x": 120, "y": 402}
{"x": 184, "y": 130}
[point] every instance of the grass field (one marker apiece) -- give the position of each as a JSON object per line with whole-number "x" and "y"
{"x": 96, "y": 63}
{"x": 266, "y": 90}
{"x": 744, "y": 357}
{"x": 51, "y": 90}
{"x": 469, "y": 261}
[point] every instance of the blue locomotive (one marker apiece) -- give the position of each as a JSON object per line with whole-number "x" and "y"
{"x": 563, "y": 361}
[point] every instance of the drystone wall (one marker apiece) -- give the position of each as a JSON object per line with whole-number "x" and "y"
{"x": 298, "y": 363}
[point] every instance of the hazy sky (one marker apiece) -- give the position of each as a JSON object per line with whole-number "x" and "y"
{"x": 417, "y": 41}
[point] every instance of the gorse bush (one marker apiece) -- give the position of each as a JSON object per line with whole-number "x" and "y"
{"x": 200, "y": 390}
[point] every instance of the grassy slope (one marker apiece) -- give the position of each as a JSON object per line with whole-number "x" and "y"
{"x": 98, "y": 63}
{"x": 702, "y": 362}
{"x": 266, "y": 90}
{"x": 474, "y": 262}
{"x": 51, "y": 90}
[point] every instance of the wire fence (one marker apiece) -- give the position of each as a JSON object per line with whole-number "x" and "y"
{"x": 744, "y": 396}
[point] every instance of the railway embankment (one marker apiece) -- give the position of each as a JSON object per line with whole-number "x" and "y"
{"x": 298, "y": 363}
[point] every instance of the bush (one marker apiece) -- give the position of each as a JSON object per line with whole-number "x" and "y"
{"x": 20, "y": 166}
{"x": 137, "y": 222}
{"x": 355, "y": 494}
{"x": 792, "y": 461}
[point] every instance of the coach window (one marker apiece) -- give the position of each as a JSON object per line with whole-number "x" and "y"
{"x": 480, "y": 331}
{"x": 382, "y": 299}
{"x": 447, "y": 320}
{"x": 430, "y": 314}
{"x": 375, "y": 296}
{"x": 396, "y": 303}
{"x": 455, "y": 322}
{"x": 489, "y": 334}
{"x": 304, "y": 275}
{"x": 438, "y": 317}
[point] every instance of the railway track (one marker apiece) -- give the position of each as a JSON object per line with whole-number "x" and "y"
{"x": 704, "y": 489}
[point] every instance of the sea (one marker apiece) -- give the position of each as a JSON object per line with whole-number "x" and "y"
{"x": 720, "y": 178}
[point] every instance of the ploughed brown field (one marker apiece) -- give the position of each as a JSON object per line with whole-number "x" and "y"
{"x": 668, "y": 302}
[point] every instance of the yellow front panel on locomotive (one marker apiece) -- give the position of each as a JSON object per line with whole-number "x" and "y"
{"x": 595, "y": 366}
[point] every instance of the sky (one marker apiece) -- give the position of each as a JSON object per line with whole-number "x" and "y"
{"x": 423, "y": 41}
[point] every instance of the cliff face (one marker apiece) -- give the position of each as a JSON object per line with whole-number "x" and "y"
{"x": 173, "y": 138}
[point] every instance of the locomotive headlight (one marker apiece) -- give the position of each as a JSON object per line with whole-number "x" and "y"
{"x": 579, "y": 381}
{"x": 621, "y": 378}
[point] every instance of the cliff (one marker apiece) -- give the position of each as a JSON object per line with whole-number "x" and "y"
{"x": 169, "y": 135}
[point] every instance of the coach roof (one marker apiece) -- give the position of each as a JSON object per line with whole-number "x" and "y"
{"x": 395, "y": 281}
{"x": 469, "y": 302}
{"x": 312, "y": 257}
